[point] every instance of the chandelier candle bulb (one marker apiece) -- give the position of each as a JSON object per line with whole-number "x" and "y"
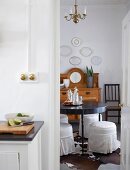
{"x": 85, "y": 11}
{"x": 71, "y": 11}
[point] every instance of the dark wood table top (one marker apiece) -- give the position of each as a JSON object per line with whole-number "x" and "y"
{"x": 86, "y": 108}
{"x": 29, "y": 137}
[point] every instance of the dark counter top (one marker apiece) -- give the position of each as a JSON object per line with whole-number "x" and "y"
{"x": 29, "y": 137}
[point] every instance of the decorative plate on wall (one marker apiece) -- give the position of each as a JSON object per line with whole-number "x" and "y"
{"x": 76, "y": 41}
{"x": 65, "y": 50}
{"x": 86, "y": 51}
{"x": 75, "y": 60}
{"x": 96, "y": 60}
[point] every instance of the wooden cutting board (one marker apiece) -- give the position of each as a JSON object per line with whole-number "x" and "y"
{"x": 21, "y": 130}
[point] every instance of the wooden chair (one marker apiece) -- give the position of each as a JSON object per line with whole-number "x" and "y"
{"x": 112, "y": 97}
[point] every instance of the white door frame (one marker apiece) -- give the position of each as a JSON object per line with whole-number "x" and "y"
{"x": 125, "y": 129}
{"x": 126, "y": 60}
{"x": 54, "y": 150}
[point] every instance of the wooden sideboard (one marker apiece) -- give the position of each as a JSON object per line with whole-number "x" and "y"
{"x": 88, "y": 94}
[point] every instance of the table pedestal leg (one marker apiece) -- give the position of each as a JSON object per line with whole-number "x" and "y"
{"x": 82, "y": 123}
{"x": 99, "y": 117}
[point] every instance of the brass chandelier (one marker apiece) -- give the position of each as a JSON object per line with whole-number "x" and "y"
{"x": 76, "y": 16}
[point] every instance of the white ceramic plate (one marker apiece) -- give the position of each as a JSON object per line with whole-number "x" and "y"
{"x": 75, "y": 60}
{"x": 23, "y": 119}
{"x": 85, "y": 51}
{"x": 65, "y": 51}
{"x": 76, "y": 41}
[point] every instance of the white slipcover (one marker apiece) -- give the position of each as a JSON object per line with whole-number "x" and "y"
{"x": 88, "y": 119}
{"x": 63, "y": 118}
{"x": 103, "y": 137}
{"x": 66, "y": 139}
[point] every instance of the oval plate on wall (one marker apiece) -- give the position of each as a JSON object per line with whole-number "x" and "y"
{"x": 65, "y": 50}
{"x": 75, "y": 60}
{"x": 85, "y": 51}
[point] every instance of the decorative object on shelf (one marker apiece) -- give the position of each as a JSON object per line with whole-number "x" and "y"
{"x": 66, "y": 83}
{"x": 62, "y": 86}
{"x": 89, "y": 77}
{"x": 75, "y": 61}
{"x": 80, "y": 100}
{"x": 86, "y": 51}
{"x": 76, "y": 41}
{"x": 96, "y": 60}
{"x": 75, "y": 16}
{"x": 65, "y": 50}
{"x": 70, "y": 95}
{"x": 75, "y": 96}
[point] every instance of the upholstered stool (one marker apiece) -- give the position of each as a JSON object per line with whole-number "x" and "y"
{"x": 102, "y": 137}
{"x": 66, "y": 139}
{"x": 63, "y": 118}
{"x": 88, "y": 119}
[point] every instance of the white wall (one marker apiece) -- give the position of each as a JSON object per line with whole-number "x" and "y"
{"x": 102, "y": 32}
{"x": 22, "y": 97}
{"x": 128, "y": 5}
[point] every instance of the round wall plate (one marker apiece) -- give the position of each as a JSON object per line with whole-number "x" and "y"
{"x": 65, "y": 50}
{"x": 76, "y": 41}
{"x": 86, "y": 51}
{"x": 96, "y": 60}
{"x": 75, "y": 60}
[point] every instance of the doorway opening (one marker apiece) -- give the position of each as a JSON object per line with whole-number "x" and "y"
{"x": 95, "y": 42}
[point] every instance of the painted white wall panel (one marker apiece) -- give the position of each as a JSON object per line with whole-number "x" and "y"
{"x": 128, "y": 5}
{"x": 20, "y": 97}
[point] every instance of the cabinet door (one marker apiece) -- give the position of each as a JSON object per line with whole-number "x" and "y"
{"x": 9, "y": 161}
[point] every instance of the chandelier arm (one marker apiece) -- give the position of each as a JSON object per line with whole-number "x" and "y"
{"x": 83, "y": 16}
{"x": 68, "y": 18}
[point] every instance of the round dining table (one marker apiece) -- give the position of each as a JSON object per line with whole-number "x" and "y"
{"x": 85, "y": 108}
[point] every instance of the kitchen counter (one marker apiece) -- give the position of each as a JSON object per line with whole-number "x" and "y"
{"x": 22, "y": 152}
{"x": 29, "y": 137}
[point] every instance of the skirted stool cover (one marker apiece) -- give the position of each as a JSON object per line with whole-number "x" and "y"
{"x": 66, "y": 139}
{"x": 63, "y": 118}
{"x": 88, "y": 119}
{"x": 103, "y": 137}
